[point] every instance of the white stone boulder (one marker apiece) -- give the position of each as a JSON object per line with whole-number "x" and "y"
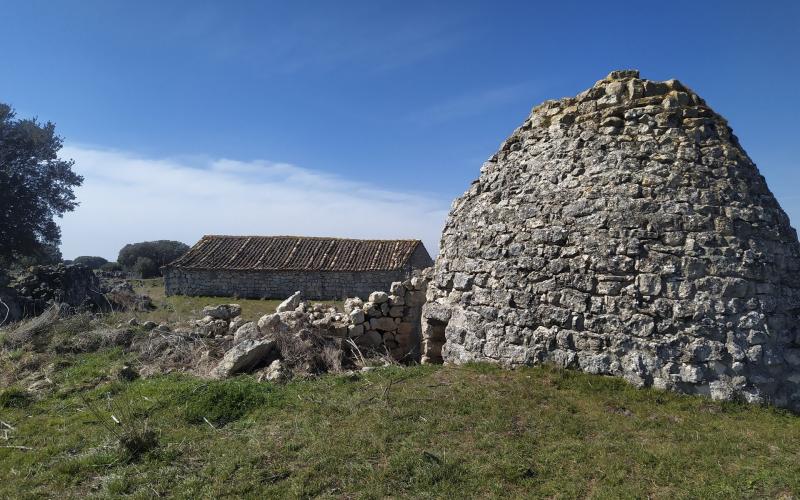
{"x": 235, "y": 323}
{"x": 223, "y": 311}
{"x": 291, "y": 303}
{"x": 352, "y": 304}
{"x": 275, "y": 372}
{"x": 282, "y": 322}
{"x": 397, "y": 288}
{"x": 247, "y": 331}
{"x": 244, "y": 357}
{"x": 378, "y": 297}
{"x": 357, "y": 316}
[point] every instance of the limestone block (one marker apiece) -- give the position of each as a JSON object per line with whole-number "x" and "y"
{"x": 247, "y": 331}
{"x": 244, "y": 357}
{"x": 223, "y": 311}
{"x": 370, "y": 339}
{"x": 385, "y": 324}
{"x": 356, "y": 330}
{"x": 378, "y": 297}
{"x": 357, "y": 316}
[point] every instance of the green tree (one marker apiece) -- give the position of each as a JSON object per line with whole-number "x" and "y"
{"x": 90, "y": 261}
{"x": 110, "y": 267}
{"x": 161, "y": 252}
{"x": 144, "y": 267}
{"x": 36, "y": 186}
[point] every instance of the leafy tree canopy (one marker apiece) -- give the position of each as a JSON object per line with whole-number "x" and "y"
{"x": 36, "y": 186}
{"x": 111, "y": 266}
{"x": 92, "y": 262}
{"x": 144, "y": 267}
{"x": 161, "y": 252}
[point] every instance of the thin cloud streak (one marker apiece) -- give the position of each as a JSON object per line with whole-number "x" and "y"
{"x": 127, "y": 198}
{"x": 367, "y": 38}
{"x": 472, "y": 104}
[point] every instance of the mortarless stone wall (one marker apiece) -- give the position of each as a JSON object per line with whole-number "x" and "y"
{"x": 626, "y": 232}
{"x": 278, "y": 284}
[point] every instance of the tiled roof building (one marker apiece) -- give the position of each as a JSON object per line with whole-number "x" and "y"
{"x": 277, "y": 266}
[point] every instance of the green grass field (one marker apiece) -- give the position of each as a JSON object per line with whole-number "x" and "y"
{"x": 181, "y": 308}
{"x": 417, "y": 432}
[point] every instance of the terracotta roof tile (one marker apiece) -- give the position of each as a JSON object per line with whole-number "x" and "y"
{"x": 296, "y": 253}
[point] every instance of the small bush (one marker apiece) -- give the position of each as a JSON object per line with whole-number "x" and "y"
{"x": 111, "y": 267}
{"x": 224, "y": 402}
{"x": 90, "y": 261}
{"x": 15, "y": 397}
{"x": 161, "y": 252}
{"x": 145, "y": 268}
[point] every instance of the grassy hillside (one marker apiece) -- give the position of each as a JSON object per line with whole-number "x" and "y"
{"x": 425, "y": 431}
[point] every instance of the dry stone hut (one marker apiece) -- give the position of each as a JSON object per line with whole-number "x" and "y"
{"x": 624, "y": 231}
{"x": 277, "y": 266}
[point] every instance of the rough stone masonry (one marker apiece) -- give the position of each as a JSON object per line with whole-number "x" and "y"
{"x": 626, "y": 232}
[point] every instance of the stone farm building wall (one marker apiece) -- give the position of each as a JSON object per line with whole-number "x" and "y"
{"x": 279, "y": 284}
{"x": 276, "y": 267}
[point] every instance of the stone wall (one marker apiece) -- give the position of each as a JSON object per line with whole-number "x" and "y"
{"x": 390, "y": 319}
{"x": 387, "y": 323}
{"x": 32, "y": 291}
{"x": 325, "y": 285}
{"x": 624, "y": 232}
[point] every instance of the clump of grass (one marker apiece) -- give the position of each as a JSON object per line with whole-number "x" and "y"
{"x": 15, "y": 397}
{"x": 222, "y": 402}
{"x": 130, "y": 427}
{"x": 134, "y": 442}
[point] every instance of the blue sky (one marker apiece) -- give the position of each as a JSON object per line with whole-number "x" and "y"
{"x": 319, "y": 117}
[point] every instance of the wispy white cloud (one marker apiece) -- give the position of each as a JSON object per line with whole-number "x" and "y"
{"x": 368, "y": 37}
{"x": 472, "y": 104}
{"x": 127, "y": 198}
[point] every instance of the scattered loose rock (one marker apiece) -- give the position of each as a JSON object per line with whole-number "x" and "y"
{"x": 223, "y": 311}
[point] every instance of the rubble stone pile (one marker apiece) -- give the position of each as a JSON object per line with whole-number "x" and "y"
{"x": 36, "y": 289}
{"x": 73, "y": 285}
{"x": 388, "y": 325}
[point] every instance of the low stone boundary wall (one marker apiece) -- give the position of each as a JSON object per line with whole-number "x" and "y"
{"x": 389, "y": 319}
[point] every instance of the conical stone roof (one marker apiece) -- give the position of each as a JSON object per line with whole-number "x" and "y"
{"x": 626, "y": 232}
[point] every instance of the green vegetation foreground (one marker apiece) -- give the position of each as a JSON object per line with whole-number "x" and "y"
{"x": 425, "y": 431}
